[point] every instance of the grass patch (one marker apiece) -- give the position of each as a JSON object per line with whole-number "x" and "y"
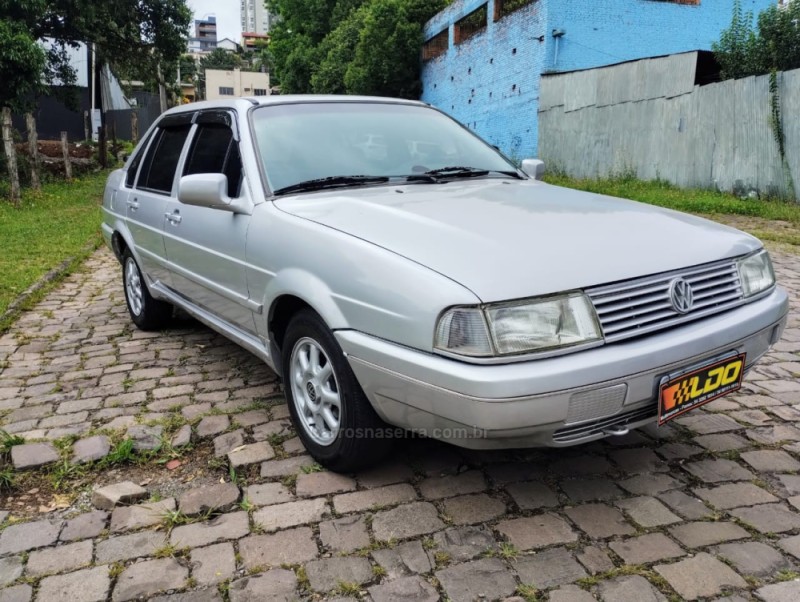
{"x": 59, "y": 223}
{"x": 667, "y": 195}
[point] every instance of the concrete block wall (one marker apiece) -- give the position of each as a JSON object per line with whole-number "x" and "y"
{"x": 491, "y": 81}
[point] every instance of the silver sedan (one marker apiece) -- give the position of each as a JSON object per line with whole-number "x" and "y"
{"x": 401, "y": 275}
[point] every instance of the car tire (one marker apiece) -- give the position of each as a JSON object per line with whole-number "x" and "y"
{"x": 145, "y": 311}
{"x": 332, "y": 416}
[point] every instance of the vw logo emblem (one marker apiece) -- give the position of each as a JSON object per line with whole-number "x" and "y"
{"x": 312, "y": 391}
{"x": 681, "y": 295}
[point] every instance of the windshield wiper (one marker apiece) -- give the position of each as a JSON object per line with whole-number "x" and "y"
{"x": 458, "y": 171}
{"x": 332, "y": 182}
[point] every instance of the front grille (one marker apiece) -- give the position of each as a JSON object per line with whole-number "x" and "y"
{"x": 597, "y": 427}
{"x": 636, "y": 307}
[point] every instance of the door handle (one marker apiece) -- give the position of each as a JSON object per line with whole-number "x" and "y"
{"x": 174, "y": 218}
{"x": 133, "y": 205}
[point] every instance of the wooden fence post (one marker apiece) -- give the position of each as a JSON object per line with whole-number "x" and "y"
{"x": 103, "y": 147}
{"x": 11, "y": 155}
{"x": 65, "y": 151}
{"x": 33, "y": 149}
{"x": 134, "y": 126}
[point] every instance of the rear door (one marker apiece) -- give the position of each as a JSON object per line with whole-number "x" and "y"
{"x": 206, "y": 247}
{"x": 147, "y": 202}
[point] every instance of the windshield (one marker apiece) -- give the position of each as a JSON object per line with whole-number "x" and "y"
{"x": 309, "y": 141}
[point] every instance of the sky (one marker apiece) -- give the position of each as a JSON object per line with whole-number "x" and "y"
{"x": 227, "y": 13}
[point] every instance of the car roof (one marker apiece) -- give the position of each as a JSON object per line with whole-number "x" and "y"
{"x": 245, "y": 102}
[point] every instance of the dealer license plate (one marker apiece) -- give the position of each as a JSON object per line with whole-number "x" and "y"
{"x": 683, "y": 392}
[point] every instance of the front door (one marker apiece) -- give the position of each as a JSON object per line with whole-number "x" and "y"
{"x": 206, "y": 247}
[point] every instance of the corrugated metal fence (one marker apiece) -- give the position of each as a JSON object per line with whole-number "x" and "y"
{"x": 650, "y": 119}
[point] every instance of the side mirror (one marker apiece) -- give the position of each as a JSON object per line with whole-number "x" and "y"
{"x": 207, "y": 190}
{"x": 534, "y": 168}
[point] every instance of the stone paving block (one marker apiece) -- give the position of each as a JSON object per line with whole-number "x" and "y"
{"x": 182, "y": 437}
{"x": 28, "y": 536}
{"x": 293, "y": 446}
{"x": 569, "y": 593}
{"x": 17, "y": 593}
{"x": 344, "y": 534}
{"x": 733, "y": 495}
{"x": 722, "y": 442}
{"x": 213, "y": 425}
{"x": 227, "y": 442}
{"x": 277, "y": 584}
{"x": 145, "y": 437}
{"x": 753, "y": 558}
{"x": 788, "y": 591}
{"x": 149, "y": 577}
{"x": 678, "y": 451}
{"x": 125, "y": 547}
{"x": 579, "y": 464}
{"x": 207, "y": 594}
{"x": 126, "y": 492}
{"x": 514, "y": 472}
{"x": 549, "y": 568}
{"x": 281, "y": 428}
{"x": 701, "y": 534}
{"x": 195, "y": 410}
{"x": 638, "y": 461}
{"x": 647, "y": 511}
{"x": 589, "y": 490}
{"x": 358, "y": 501}
{"x": 219, "y": 497}
{"x": 280, "y": 516}
{"x": 288, "y": 466}
{"x": 718, "y": 471}
{"x": 414, "y": 589}
{"x": 59, "y": 559}
{"x": 532, "y": 495}
{"x": 538, "y": 531}
{"x": 251, "y": 453}
{"x": 706, "y": 424}
{"x": 63, "y": 420}
{"x": 485, "y": 578}
{"x": 770, "y": 435}
{"x": 630, "y": 588}
{"x": 90, "y": 449}
{"x": 410, "y": 520}
{"x": 225, "y": 526}
{"x": 754, "y": 417}
{"x": 771, "y": 460}
{"x": 404, "y": 559}
{"x": 88, "y": 585}
{"x": 700, "y": 577}
{"x": 687, "y": 506}
{"x": 650, "y": 484}
{"x": 3, "y": 516}
{"x": 129, "y": 518}
{"x": 33, "y": 455}
{"x": 83, "y": 526}
{"x": 326, "y": 574}
{"x": 267, "y": 494}
{"x": 451, "y": 485}
{"x": 323, "y": 483}
{"x": 385, "y": 474}
{"x": 595, "y": 560}
{"x": 10, "y": 569}
{"x": 599, "y": 520}
{"x": 769, "y": 518}
{"x": 791, "y": 545}
{"x": 646, "y": 549}
{"x": 475, "y": 508}
{"x": 464, "y": 543}
{"x": 292, "y": 546}
{"x": 213, "y": 564}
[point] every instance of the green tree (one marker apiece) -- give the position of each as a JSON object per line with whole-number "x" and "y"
{"x": 736, "y": 49}
{"x": 218, "y": 58}
{"x": 22, "y": 66}
{"x": 349, "y": 46}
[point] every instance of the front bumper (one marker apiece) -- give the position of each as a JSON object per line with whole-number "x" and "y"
{"x": 558, "y": 401}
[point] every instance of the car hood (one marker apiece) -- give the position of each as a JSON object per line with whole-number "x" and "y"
{"x": 508, "y": 239}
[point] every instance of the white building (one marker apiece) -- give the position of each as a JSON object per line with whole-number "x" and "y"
{"x": 228, "y": 84}
{"x": 255, "y": 17}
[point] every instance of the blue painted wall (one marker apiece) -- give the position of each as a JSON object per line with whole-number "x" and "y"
{"x": 491, "y": 81}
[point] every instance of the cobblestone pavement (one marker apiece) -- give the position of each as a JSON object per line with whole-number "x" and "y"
{"x": 703, "y": 509}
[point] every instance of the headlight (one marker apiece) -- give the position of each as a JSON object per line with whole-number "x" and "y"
{"x": 519, "y": 327}
{"x": 756, "y": 274}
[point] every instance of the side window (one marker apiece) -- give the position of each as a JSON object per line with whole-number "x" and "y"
{"x": 215, "y": 151}
{"x": 133, "y": 166}
{"x": 158, "y": 169}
